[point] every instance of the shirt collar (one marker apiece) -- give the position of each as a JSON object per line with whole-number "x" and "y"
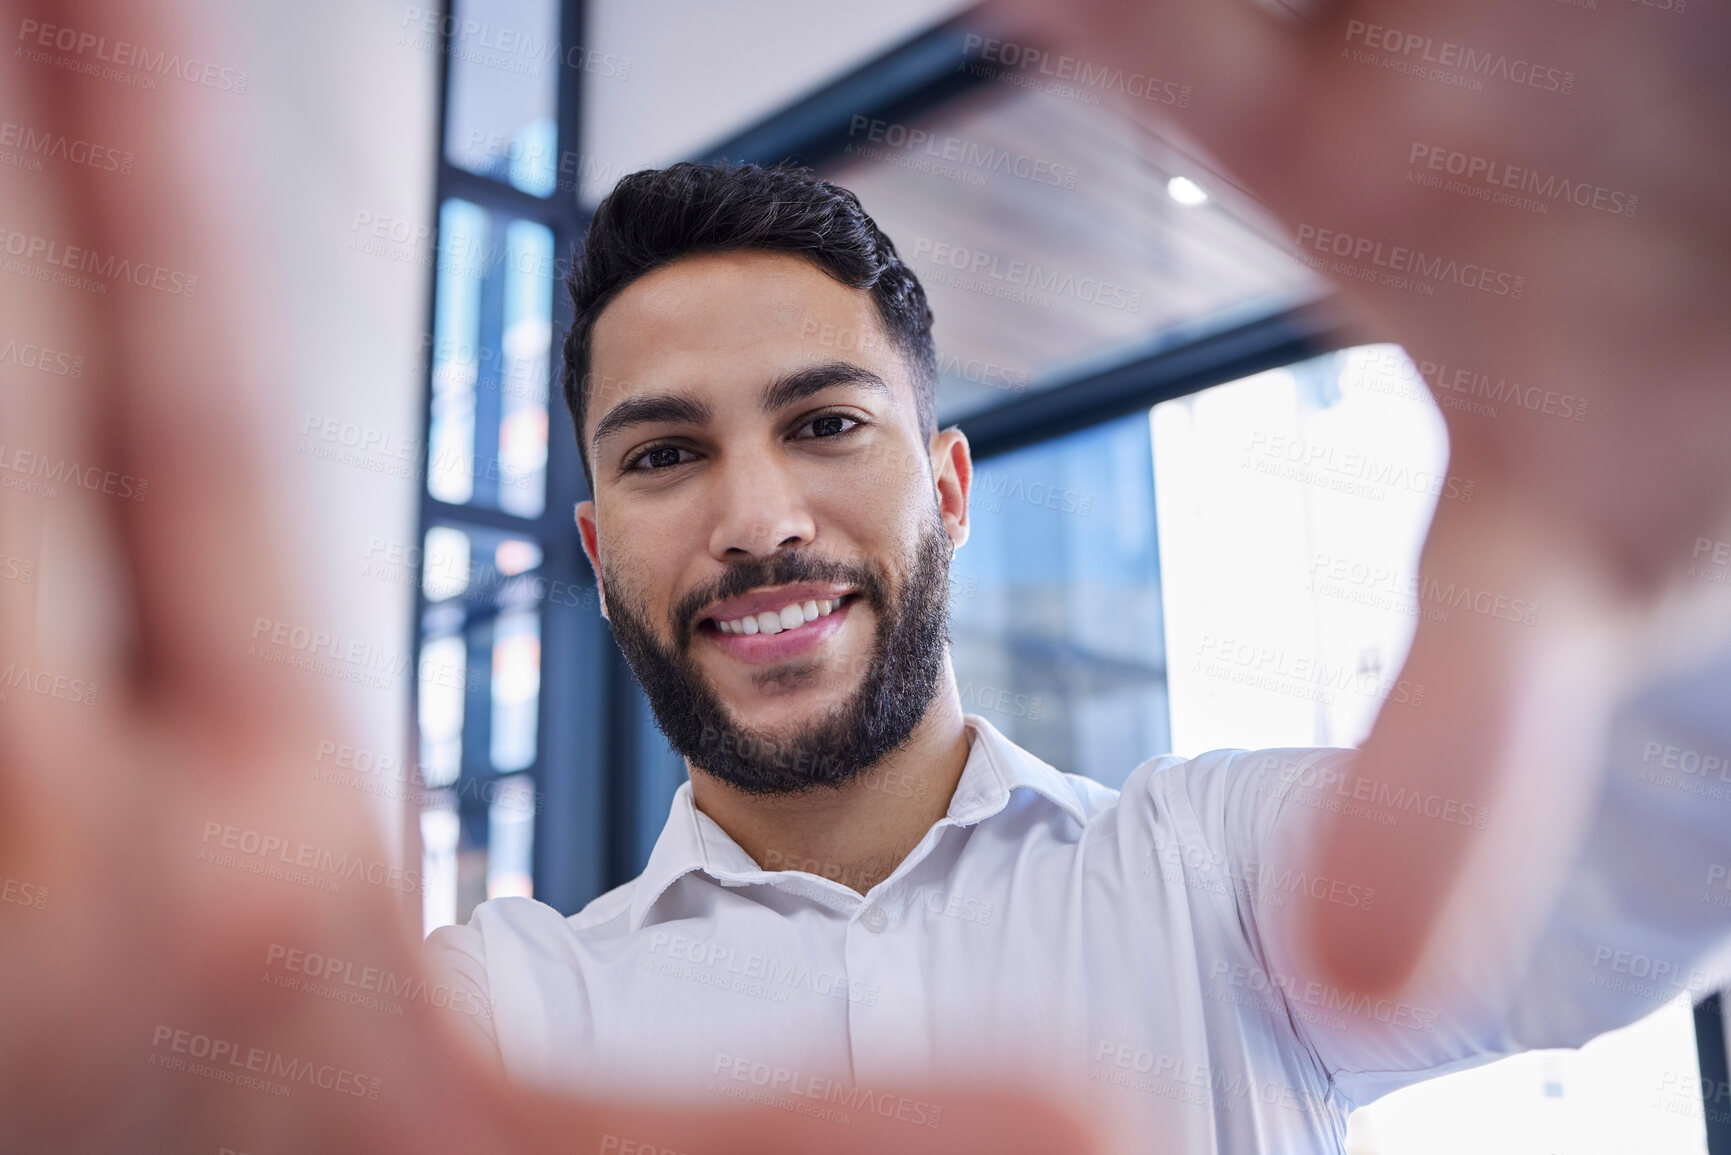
{"x": 692, "y": 841}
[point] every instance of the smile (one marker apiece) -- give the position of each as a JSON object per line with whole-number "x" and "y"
{"x": 789, "y": 617}
{"x": 776, "y": 625}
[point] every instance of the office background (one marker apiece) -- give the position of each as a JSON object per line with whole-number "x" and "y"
{"x": 1168, "y": 551}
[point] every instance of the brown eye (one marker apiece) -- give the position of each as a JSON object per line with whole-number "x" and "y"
{"x": 659, "y": 457}
{"x": 831, "y": 425}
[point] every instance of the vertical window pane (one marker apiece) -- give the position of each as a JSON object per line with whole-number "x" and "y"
{"x": 511, "y": 839}
{"x": 456, "y": 340}
{"x": 516, "y": 689}
{"x": 445, "y": 563}
{"x": 493, "y": 331}
{"x": 443, "y": 677}
{"x": 526, "y": 339}
{"x": 503, "y": 94}
{"x": 440, "y": 829}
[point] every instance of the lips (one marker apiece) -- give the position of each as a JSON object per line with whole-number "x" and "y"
{"x": 777, "y": 624}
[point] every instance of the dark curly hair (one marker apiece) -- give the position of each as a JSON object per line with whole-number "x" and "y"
{"x": 656, "y": 216}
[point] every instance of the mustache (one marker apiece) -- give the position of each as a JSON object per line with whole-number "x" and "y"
{"x": 782, "y": 569}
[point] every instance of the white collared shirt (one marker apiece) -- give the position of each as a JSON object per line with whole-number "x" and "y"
{"x": 1109, "y": 947}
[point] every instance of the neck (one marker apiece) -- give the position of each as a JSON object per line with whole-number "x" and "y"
{"x": 858, "y": 833}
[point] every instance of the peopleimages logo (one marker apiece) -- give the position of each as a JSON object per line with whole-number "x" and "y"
{"x": 1400, "y": 267}
{"x": 41, "y": 474}
{"x": 1008, "y": 54}
{"x": 1310, "y": 992}
{"x": 941, "y": 146}
{"x": 59, "y": 146}
{"x": 505, "y": 48}
{"x": 228, "y": 1062}
{"x": 1496, "y": 177}
{"x": 1416, "y": 50}
{"x": 41, "y": 358}
{"x": 82, "y": 260}
{"x": 370, "y": 987}
{"x": 121, "y": 60}
{"x": 1331, "y": 788}
{"x": 1014, "y": 274}
{"x": 254, "y": 852}
{"x": 46, "y": 683}
{"x": 796, "y": 1085}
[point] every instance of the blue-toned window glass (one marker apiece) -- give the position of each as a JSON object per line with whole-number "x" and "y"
{"x": 456, "y": 351}
{"x": 525, "y": 340}
{"x": 492, "y": 334}
{"x": 1055, "y": 607}
{"x": 511, "y": 838}
{"x": 516, "y": 688}
{"x": 504, "y": 91}
{"x": 480, "y": 697}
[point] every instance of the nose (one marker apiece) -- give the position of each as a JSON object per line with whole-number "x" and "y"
{"x": 761, "y": 508}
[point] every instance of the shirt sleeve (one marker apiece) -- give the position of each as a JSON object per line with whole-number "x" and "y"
{"x": 456, "y": 958}
{"x": 1640, "y": 918}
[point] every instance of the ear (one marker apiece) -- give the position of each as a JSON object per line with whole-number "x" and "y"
{"x": 953, "y": 474}
{"x": 587, "y": 531}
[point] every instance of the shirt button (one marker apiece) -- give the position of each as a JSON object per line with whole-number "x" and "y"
{"x": 874, "y": 919}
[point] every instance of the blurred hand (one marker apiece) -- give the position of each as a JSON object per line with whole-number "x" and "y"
{"x": 1315, "y": 107}
{"x": 147, "y": 761}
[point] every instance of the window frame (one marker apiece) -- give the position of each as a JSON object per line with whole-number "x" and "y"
{"x": 570, "y": 861}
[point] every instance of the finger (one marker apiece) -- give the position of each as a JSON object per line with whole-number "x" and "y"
{"x": 57, "y": 615}
{"x": 184, "y": 359}
{"x": 1508, "y": 730}
{"x": 1333, "y": 122}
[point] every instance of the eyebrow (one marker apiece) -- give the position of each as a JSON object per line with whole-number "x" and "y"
{"x": 794, "y": 387}
{"x": 683, "y": 409}
{"x": 669, "y": 408}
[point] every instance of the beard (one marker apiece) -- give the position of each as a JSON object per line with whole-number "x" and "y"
{"x": 900, "y": 680}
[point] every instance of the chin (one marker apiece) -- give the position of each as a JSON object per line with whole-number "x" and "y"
{"x": 787, "y": 711}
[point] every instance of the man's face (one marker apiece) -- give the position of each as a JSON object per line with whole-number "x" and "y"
{"x": 771, "y": 527}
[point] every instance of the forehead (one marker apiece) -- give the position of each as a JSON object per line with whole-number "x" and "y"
{"x": 723, "y": 321}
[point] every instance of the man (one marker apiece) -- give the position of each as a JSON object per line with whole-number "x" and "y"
{"x": 861, "y": 885}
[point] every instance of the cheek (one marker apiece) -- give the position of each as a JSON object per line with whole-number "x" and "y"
{"x": 639, "y": 567}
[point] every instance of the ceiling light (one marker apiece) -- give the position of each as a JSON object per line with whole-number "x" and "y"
{"x": 1186, "y": 191}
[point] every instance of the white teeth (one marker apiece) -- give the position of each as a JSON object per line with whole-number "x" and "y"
{"x": 787, "y": 618}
